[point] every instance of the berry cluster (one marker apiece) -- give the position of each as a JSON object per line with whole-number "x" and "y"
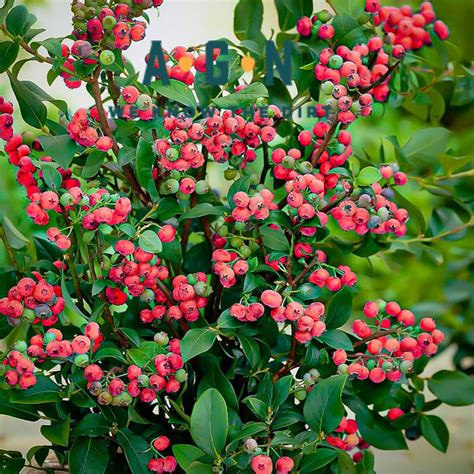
{"x": 161, "y": 463}
{"x": 81, "y": 131}
{"x": 259, "y": 205}
{"x": 263, "y": 464}
{"x": 138, "y": 271}
{"x": 34, "y": 302}
{"x": 342, "y": 275}
{"x": 142, "y": 382}
{"x": 316, "y": 27}
{"x": 392, "y": 354}
{"x": 190, "y": 294}
{"x": 346, "y": 437}
{"x": 227, "y": 266}
{"x": 307, "y": 319}
{"x": 372, "y": 213}
{"x": 181, "y": 61}
{"x": 113, "y": 28}
{"x": 226, "y": 137}
{"x": 345, "y": 70}
{"x": 6, "y": 119}
{"x": 18, "y": 366}
{"x": 406, "y": 29}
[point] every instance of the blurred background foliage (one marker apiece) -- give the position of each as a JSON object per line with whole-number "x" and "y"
{"x": 431, "y": 269}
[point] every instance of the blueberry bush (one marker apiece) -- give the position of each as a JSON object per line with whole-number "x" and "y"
{"x": 186, "y": 304}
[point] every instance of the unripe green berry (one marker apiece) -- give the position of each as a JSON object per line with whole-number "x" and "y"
{"x": 81, "y": 360}
{"x": 240, "y": 226}
{"x": 108, "y": 22}
{"x": 49, "y": 337}
{"x": 342, "y": 369}
{"x": 406, "y": 366}
{"x": 161, "y": 338}
{"x": 335, "y": 62}
{"x": 327, "y": 87}
{"x": 202, "y": 187}
{"x": 172, "y": 154}
{"x": 236, "y": 242}
{"x": 230, "y": 174}
{"x": 181, "y": 375}
{"x": 288, "y": 162}
{"x": 107, "y": 57}
{"x": 143, "y": 380}
{"x": 245, "y": 251}
{"x": 105, "y": 398}
{"x": 147, "y": 296}
{"x": 144, "y": 102}
{"x": 28, "y": 315}
{"x": 324, "y": 16}
{"x": 300, "y": 395}
{"x": 20, "y": 346}
{"x": 66, "y": 200}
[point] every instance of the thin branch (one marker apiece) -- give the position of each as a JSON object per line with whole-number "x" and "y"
{"x": 376, "y": 335}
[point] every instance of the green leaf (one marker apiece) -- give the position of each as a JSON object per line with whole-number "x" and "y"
{"x": 5, "y": 9}
{"x": 274, "y": 239}
{"x": 147, "y": 351}
{"x": 209, "y": 422}
{"x": 203, "y": 209}
{"x": 89, "y": 456}
{"x": 57, "y": 432}
{"x": 368, "y": 176}
{"x": 186, "y": 454}
{"x": 199, "y": 468}
{"x": 339, "y": 309}
{"x": 435, "y": 431}
{"x": 290, "y": 11}
{"x": 242, "y": 98}
{"x": 323, "y": 408}
{"x": 322, "y": 457}
{"x": 196, "y": 341}
{"x": 348, "y": 32}
{"x": 19, "y": 20}
{"x": 60, "y": 147}
{"x": 251, "y": 349}
{"x": 375, "y": 429}
{"x": 248, "y": 18}
{"x": 452, "y": 387}
{"x": 345, "y": 463}
{"x": 71, "y": 312}
{"x": 145, "y": 160}
{"x": 336, "y": 339}
{"x": 353, "y": 8}
{"x": 136, "y": 451}
{"x": 93, "y": 424}
{"x": 44, "y": 391}
{"x": 52, "y": 177}
{"x": 14, "y": 237}
{"x": 150, "y": 242}
{"x": 176, "y": 91}
{"x": 16, "y": 410}
{"x": 11, "y": 462}
{"x": 427, "y": 144}
{"x": 8, "y": 54}
{"x": 32, "y": 109}
{"x": 93, "y": 163}
{"x": 215, "y": 378}
{"x": 45, "y": 97}
{"x": 249, "y": 430}
{"x": 281, "y": 391}
{"x": 257, "y": 407}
